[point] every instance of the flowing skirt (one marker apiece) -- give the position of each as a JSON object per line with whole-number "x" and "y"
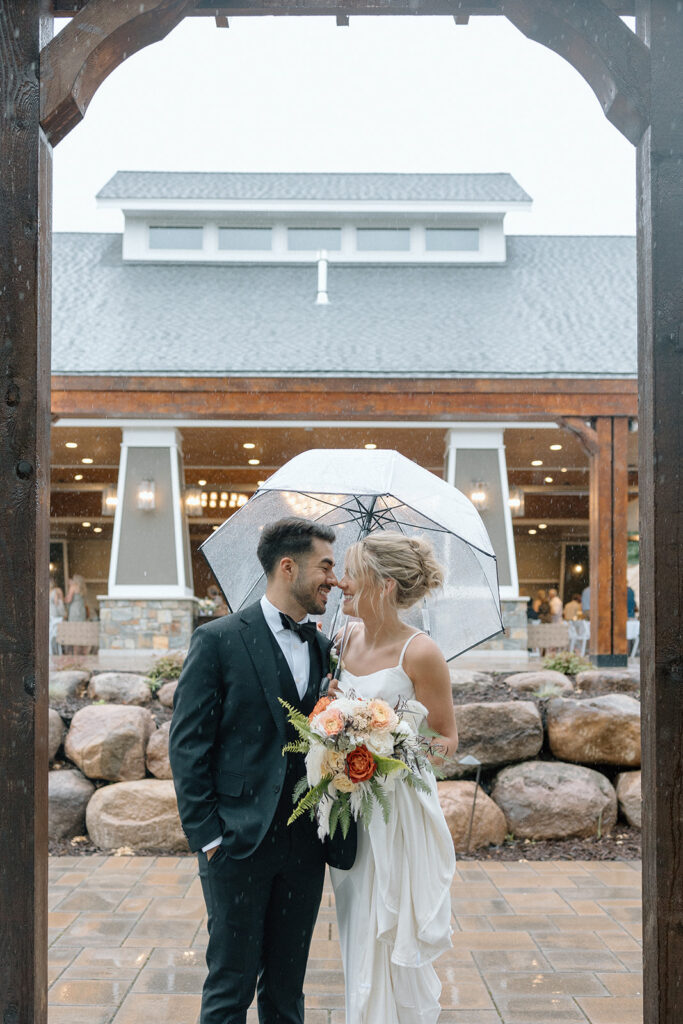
{"x": 394, "y": 911}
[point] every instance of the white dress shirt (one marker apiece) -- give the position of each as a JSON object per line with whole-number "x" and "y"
{"x": 297, "y": 656}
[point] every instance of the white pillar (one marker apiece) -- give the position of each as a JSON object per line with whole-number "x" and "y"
{"x": 476, "y": 455}
{"x": 150, "y": 555}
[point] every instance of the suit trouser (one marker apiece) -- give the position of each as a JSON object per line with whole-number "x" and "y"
{"x": 262, "y": 912}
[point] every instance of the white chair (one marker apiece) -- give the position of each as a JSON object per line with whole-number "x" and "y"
{"x": 544, "y": 636}
{"x": 633, "y": 633}
{"x": 579, "y": 635}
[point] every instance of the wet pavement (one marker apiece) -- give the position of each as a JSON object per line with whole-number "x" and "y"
{"x": 534, "y": 943}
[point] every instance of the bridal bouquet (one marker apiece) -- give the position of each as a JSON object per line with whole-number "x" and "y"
{"x": 356, "y": 750}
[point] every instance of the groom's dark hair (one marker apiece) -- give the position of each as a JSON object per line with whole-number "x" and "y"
{"x": 289, "y": 537}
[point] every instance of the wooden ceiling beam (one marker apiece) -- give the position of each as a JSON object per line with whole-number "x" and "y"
{"x": 592, "y": 37}
{"x": 98, "y": 38}
{"x": 459, "y": 8}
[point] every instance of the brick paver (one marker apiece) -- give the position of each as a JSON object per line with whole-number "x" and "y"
{"x": 533, "y": 943}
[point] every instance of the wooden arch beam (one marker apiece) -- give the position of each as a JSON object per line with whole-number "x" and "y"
{"x": 612, "y": 59}
{"x": 101, "y": 36}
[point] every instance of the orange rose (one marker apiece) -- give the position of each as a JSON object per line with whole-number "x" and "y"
{"x": 331, "y": 722}
{"x": 322, "y": 704}
{"x": 360, "y": 764}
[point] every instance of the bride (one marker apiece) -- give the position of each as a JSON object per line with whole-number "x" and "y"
{"x": 393, "y": 905}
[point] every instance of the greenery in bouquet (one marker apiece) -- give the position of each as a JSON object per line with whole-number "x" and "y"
{"x": 356, "y": 751}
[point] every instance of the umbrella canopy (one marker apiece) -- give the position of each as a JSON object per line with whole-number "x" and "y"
{"x": 357, "y": 492}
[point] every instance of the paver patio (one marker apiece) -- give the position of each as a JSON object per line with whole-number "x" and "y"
{"x": 533, "y": 943}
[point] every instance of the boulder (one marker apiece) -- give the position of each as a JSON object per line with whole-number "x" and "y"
{"x": 546, "y": 683}
{"x": 68, "y": 794}
{"x": 464, "y": 681}
{"x": 67, "y": 684}
{"x": 499, "y": 732}
{"x": 120, "y": 688}
{"x": 157, "y": 753}
{"x": 596, "y": 682}
{"x": 553, "y": 800}
{"x": 109, "y": 741}
{"x": 139, "y": 815}
{"x": 55, "y": 733}
{"x": 600, "y": 730}
{"x": 488, "y": 827}
{"x": 629, "y": 797}
{"x": 166, "y": 693}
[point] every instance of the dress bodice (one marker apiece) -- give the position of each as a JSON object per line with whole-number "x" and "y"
{"x": 387, "y": 683}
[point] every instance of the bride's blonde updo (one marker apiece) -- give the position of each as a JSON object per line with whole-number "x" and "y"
{"x": 409, "y": 561}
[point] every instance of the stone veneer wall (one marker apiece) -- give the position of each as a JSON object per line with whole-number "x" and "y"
{"x": 158, "y": 625}
{"x": 514, "y": 620}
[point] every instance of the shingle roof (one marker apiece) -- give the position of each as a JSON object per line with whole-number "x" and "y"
{"x": 560, "y": 306}
{"x": 309, "y": 187}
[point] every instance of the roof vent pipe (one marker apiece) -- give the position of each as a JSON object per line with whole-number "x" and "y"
{"x": 322, "y": 297}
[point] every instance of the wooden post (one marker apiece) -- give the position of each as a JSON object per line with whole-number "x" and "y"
{"x": 660, "y": 329}
{"x": 608, "y": 541}
{"x": 25, "y": 215}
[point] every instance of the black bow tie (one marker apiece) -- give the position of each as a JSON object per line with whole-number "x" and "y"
{"x": 304, "y": 630}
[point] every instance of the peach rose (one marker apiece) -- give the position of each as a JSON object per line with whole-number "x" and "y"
{"x": 343, "y": 783}
{"x": 322, "y": 705}
{"x": 383, "y": 717}
{"x": 360, "y": 764}
{"x": 331, "y": 722}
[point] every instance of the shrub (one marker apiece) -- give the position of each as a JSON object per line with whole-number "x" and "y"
{"x": 168, "y": 667}
{"x": 568, "y": 662}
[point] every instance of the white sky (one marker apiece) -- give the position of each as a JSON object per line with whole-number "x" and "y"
{"x": 385, "y": 94}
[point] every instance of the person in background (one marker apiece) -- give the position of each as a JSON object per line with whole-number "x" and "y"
{"x": 213, "y": 594}
{"x": 542, "y": 606}
{"x": 555, "y": 604}
{"x": 57, "y": 614}
{"x": 586, "y": 602}
{"x": 572, "y": 609}
{"x": 76, "y": 599}
{"x": 631, "y": 607}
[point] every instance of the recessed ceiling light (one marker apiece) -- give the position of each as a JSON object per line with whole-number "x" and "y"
{"x": 548, "y": 479}
{"x": 555, "y": 447}
{"x": 79, "y": 476}
{"x": 533, "y": 531}
{"x": 254, "y": 462}
{"x": 202, "y": 483}
{"x": 71, "y": 444}
{"x": 537, "y": 462}
{"x": 87, "y": 462}
{"x": 564, "y": 470}
{"x": 370, "y": 447}
{"x": 248, "y": 444}
{"x": 86, "y": 524}
{"x": 97, "y": 529}
{"x": 260, "y": 483}
{"x": 543, "y": 526}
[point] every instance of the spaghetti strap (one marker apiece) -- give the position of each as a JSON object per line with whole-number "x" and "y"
{"x": 419, "y": 632}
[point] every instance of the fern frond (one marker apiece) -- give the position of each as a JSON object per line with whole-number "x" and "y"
{"x": 382, "y": 799}
{"x": 296, "y": 747}
{"x": 334, "y": 817}
{"x": 297, "y": 719}
{"x": 344, "y": 802}
{"x": 299, "y": 789}
{"x": 311, "y": 799}
{"x": 417, "y": 782}
{"x": 366, "y": 808}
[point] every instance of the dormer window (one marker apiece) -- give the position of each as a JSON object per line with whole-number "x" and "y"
{"x": 176, "y": 237}
{"x": 313, "y": 239}
{"x": 383, "y": 239}
{"x": 452, "y": 239}
{"x": 245, "y": 239}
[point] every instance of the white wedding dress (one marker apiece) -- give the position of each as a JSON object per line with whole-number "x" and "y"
{"x": 393, "y": 906}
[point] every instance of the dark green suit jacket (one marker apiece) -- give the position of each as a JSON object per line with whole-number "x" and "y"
{"x": 227, "y": 734}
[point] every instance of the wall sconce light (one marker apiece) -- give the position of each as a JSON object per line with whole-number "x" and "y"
{"x": 516, "y": 502}
{"x": 479, "y": 496}
{"x": 193, "y": 501}
{"x": 109, "y": 501}
{"x": 146, "y": 496}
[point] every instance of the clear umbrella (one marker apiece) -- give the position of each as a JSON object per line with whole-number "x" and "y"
{"x": 357, "y": 492}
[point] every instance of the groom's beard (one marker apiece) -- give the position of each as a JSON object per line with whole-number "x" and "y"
{"x": 310, "y": 597}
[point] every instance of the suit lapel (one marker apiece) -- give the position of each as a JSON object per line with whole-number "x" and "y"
{"x": 257, "y": 640}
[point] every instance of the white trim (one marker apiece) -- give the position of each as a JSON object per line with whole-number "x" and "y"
{"x": 445, "y": 425}
{"x": 148, "y": 434}
{"x": 164, "y": 592}
{"x": 509, "y": 594}
{"x": 307, "y": 206}
{"x": 507, "y": 518}
{"x": 118, "y": 517}
{"x": 178, "y": 515}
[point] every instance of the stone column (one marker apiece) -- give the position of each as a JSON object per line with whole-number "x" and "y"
{"x": 150, "y": 604}
{"x": 475, "y": 464}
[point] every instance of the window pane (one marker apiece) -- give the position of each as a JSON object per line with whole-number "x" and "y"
{"x": 245, "y": 238}
{"x": 383, "y": 239}
{"x": 312, "y": 239}
{"x": 175, "y": 238}
{"x": 452, "y": 239}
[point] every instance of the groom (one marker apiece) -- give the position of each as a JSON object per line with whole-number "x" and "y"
{"x": 262, "y": 879}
